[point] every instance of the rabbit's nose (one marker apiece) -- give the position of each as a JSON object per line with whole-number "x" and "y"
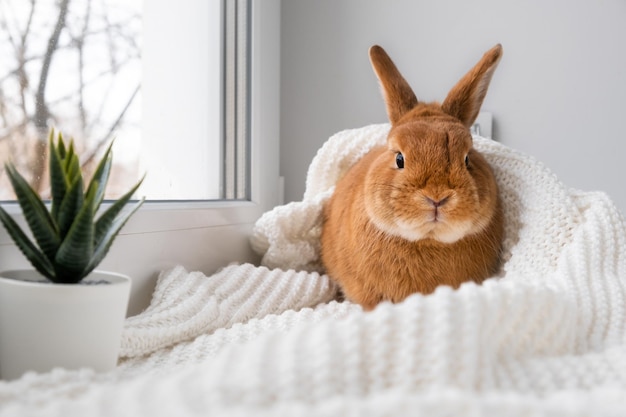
{"x": 437, "y": 203}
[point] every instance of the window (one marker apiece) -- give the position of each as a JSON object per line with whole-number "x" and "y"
{"x": 175, "y": 95}
{"x": 200, "y": 235}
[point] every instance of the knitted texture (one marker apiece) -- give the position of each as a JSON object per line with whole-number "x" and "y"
{"x": 545, "y": 338}
{"x": 185, "y": 305}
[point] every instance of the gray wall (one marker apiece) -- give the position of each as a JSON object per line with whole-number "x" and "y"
{"x": 558, "y": 94}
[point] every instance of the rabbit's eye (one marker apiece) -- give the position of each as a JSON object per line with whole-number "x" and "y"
{"x": 466, "y": 161}
{"x": 400, "y": 160}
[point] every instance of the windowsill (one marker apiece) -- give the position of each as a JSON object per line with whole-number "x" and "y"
{"x": 203, "y": 236}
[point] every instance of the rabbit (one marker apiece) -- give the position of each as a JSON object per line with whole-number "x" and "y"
{"x": 422, "y": 211}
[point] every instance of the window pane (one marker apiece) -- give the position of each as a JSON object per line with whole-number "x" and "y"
{"x": 148, "y": 75}
{"x": 75, "y": 66}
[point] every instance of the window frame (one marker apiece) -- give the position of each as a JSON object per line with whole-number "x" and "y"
{"x": 202, "y": 235}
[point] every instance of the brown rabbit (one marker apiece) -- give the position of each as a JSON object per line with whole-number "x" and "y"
{"x": 423, "y": 210}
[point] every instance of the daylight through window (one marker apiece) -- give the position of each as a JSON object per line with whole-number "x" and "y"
{"x": 170, "y": 87}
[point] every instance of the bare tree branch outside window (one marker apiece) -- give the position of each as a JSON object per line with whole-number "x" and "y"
{"x": 74, "y": 65}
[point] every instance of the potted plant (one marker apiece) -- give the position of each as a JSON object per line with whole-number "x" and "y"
{"x": 63, "y": 313}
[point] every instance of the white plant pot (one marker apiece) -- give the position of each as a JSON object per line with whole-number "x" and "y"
{"x": 45, "y": 325}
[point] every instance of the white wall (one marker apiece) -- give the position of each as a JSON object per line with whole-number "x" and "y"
{"x": 559, "y": 92}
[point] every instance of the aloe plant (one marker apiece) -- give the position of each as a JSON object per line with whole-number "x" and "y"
{"x": 71, "y": 239}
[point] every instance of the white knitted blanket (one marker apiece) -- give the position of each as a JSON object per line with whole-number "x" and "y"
{"x": 546, "y": 338}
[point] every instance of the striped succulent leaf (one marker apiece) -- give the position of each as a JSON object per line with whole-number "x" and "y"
{"x": 70, "y": 240}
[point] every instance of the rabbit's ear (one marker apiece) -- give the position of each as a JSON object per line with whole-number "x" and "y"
{"x": 466, "y": 97}
{"x": 399, "y": 97}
